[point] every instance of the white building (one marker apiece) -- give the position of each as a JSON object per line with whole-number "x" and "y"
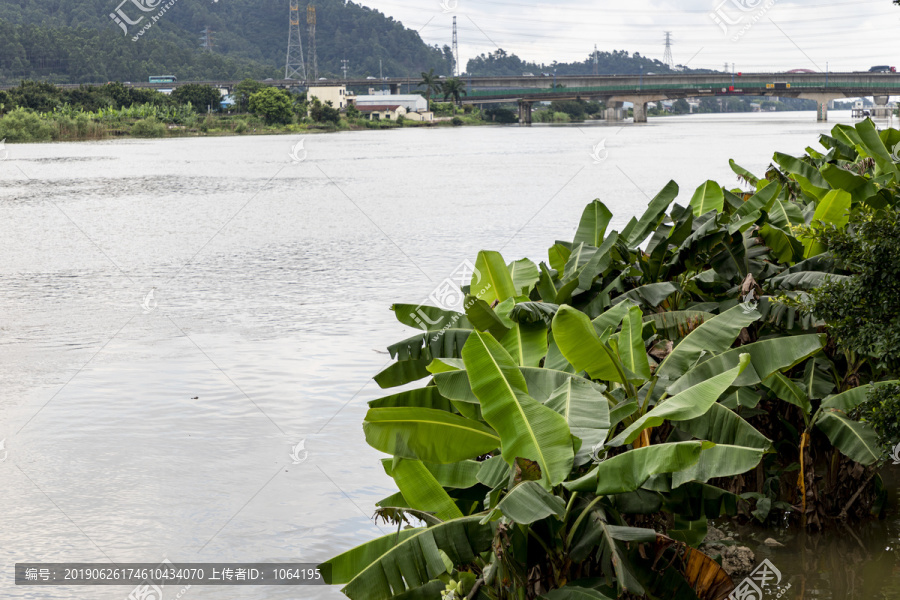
{"x": 411, "y": 102}
{"x": 337, "y": 94}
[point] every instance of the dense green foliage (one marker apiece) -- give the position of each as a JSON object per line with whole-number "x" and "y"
{"x": 78, "y": 42}
{"x": 584, "y": 417}
{"x": 619, "y": 62}
{"x": 273, "y": 105}
{"x": 201, "y": 96}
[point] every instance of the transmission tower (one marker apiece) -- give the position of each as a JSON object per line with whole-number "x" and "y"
{"x": 345, "y": 66}
{"x": 596, "y": 61}
{"x": 313, "y": 56}
{"x": 206, "y": 39}
{"x": 455, "y": 49}
{"x": 295, "y": 67}
{"x": 667, "y": 57}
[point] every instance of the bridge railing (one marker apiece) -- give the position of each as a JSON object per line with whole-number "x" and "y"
{"x": 640, "y": 89}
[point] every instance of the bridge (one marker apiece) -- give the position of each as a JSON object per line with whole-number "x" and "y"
{"x": 616, "y": 90}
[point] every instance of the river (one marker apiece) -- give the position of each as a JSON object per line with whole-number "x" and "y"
{"x": 176, "y": 316}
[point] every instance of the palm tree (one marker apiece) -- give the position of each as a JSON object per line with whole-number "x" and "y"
{"x": 454, "y": 88}
{"x": 432, "y": 84}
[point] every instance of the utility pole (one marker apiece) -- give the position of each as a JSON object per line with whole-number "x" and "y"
{"x": 667, "y": 57}
{"x": 295, "y": 66}
{"x": 455, "y": 49}
{"x": 345, "y": 66}
{"x": 313, "y": 56}
{"x": 596, "y": 61}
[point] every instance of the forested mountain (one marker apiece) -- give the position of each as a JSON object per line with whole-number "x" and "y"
{"x": 619, "y": 62}
{"x": 65, "y": 41}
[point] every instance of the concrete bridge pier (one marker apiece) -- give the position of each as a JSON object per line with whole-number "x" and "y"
{"x": 615, "y": 111}
{"x": 822, "y": 101}
{"x": 525, "y": 112}
{"x": 640, "y": 106}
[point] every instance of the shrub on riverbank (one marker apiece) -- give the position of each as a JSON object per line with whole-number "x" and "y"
{"x": 584, "y": 418}
{"x": 22, "y": 125}
{"x": 148, "y": 128}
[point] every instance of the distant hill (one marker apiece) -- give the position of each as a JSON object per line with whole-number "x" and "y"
{"x": 62, "y": 41}
{"x": 619, "y": 62}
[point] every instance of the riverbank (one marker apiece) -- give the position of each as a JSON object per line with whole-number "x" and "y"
{"x": 23, "y": 126}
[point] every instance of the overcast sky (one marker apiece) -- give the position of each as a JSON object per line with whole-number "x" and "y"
{"x": 756, "y": 35}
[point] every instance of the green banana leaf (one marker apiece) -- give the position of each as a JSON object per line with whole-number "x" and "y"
{"x": 527, "y": 428}
{"x": 719, "y": 461}
{"x": 766, "y": 357}
{"x": 527, "y": 344}
{"x": 529, "y": 502}
{"x": 593, "y": 224}
{"x": 855, "y": 440}
{"x": 578, "y": 341}
{"x": 421, "y": 489}
{"x": 427, "y": 397}
{"x": 491, "y": 280}
{"x": 708, "y": 197}
{"x": 586, "y": 410}
{"x": 712, "y": 337}
{"x": 427, "y": 434}
{"x": 525, "y": 275}
{"x": 572, "y": 592}
{"x": 429, "y": 318}
{"x": 411, "y": 563}
{"x": 693, "y": 402}
{"x": 628, "y": 471}
{"x": 722, "y": 425}
{"x": 637, "y": 232}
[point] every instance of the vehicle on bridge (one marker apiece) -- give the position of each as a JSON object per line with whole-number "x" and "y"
{"x": 163, "y": 79}
{"x": 883, "y": 69}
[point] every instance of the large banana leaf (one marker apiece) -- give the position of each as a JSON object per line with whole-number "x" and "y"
{"x": 674, "y": 325}
{"x": 526, "y": 343}
{"x": 594, "y": 221}
{"x": 403, "y": 372}
{"x": 444, "y": 344}
{"x": 525, "y": 275}
{"x": 708, "y": 197}
{"x": 412, "y": 562}
{"x": 632, "y": 352}
{"x": 856, "y": 440}
{"x": 874, "y": 147}
{"x": 766, "y": 357}
{"x": 491, "y": 280}
{"x": 421, "y": 489}
{"x": 529, "y": 502}
{"x": 637, "y": 231}
{"x": 719, "y": 461}
{"x": 833, "y": 209}
{"x": 712, "y": 337}
{"x": 577, "y": 340}
{"x": 427, "y": 397}
{"x": 586, "y": 410}
{"x": 722, "y": 425}
{"x": 689, "y": 404}
{"x": 429, "y": 318}
{"x": 785, "y": 389}
{"x": 427, "y": 434}
{"x": 849, "y": 400}
{"x": 344, "y": 567}
{"x": 629, "y": 470}
{"x": 527, "y": 428}
{"x": 459, "y": 475}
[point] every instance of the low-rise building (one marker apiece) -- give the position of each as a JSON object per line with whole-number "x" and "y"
{"x": 336, "y": 94}
{"x": 411, "y": 102}
{"x": 385, "y": 112}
